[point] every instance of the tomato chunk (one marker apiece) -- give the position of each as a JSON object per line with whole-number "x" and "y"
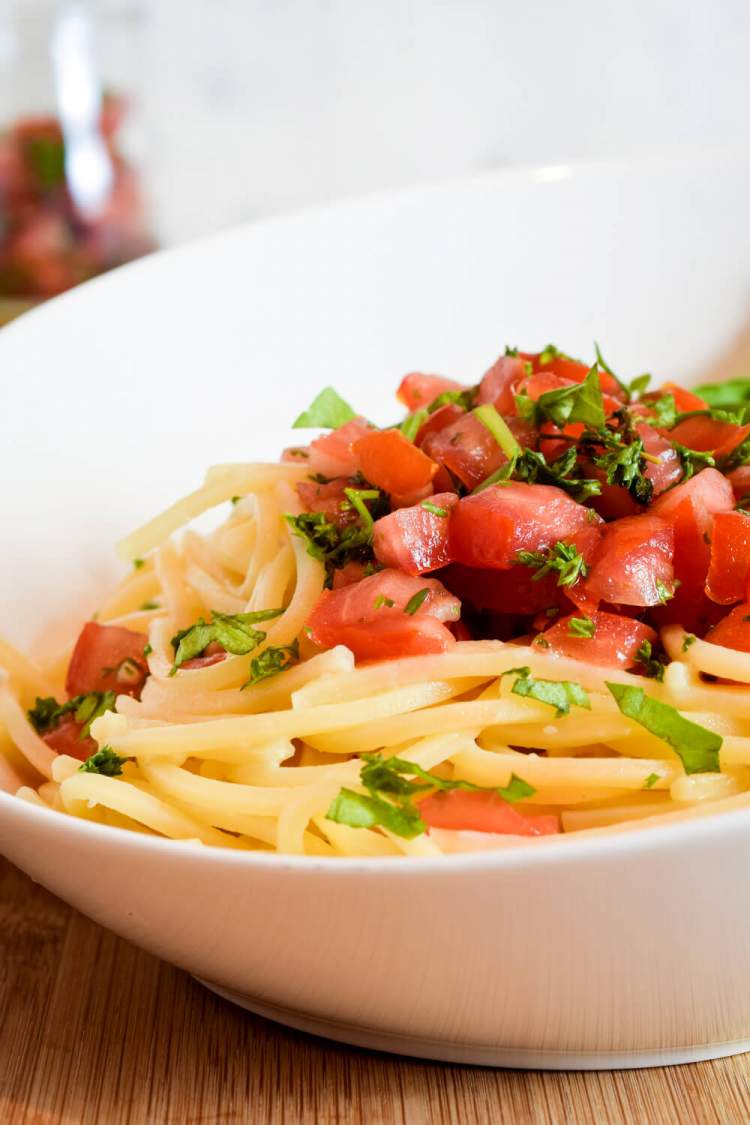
{"x": 328, "y": 498}
{"x": 616, "y": 640}
{"x": 740, "y": 481}
{"x": 107, "y": 658}
{"x": 333, "y": 454}
{"x": 390, "y": 639}
{"x": 482, "y": 812}
{"x": 489, "y": 529}
{"x": 389, "y": 461}
{"x": 684, "y": 400}
{"x": 416, "y": 390}
{"x": 633, "y": 563}
{"x": 708, "y": 486}
{"x": 467, "y": 449}
{"x": 511, "y": 591}
{"x": 415, "y": 539}
{"x": 709, "y": 435}
{"x": 733, "y": 631}
{"x": 499, "y": 383}
{"x": 690, "y": 607}
{"x": 437, "y": 421}
{"x": 65, "y": 738}
{"x": 729, "y": 569}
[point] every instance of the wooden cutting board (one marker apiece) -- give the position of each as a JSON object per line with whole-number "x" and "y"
{"x": 93, "y": 1030}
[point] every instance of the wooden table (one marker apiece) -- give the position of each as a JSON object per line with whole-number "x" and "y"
{"x": 93, "y": 1030}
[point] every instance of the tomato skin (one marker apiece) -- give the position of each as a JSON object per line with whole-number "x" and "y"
{"x": 348, "y": 574}
{"x": 65, "y": 738}
{"x": 684, "y": 400}
{"x": 390, "y": 639}
{"x": 482, "y": 812}
{"x": 708, "y": 486}
{"x": 417, "y": 390}
{"x": 488, "y": 529}
{"x": 709, "y": 435}
{"x": 740, "y": 481}
{"x": 413, "y": 539}
{"x": 467, "y": 449}
{"x": 733, "y": 631}
{"x": 511, "y": 591}
{"x": 572, "y": 370}
{"x": 97, "y": 659}
{"x": 615, "y": 642}
{"x": 442, "y": 417}
{"x": 333, "y": 454}
{"x": 499, "y": 382}
{"x": 729, "y": 568}
{"x": 389, "y": 461}
{"x": 690, "y": 607}
{"x": 328, "y": 498}
{"x": 635, "y": 554}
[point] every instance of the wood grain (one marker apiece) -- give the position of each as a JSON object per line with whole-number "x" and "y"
{"x": 93, "y": 1030}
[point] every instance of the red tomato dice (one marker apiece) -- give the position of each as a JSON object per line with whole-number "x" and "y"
{"x": 684, "y": 400}
{"x": 499, "y": 383}
{"x": 333, "y": 454}
{"x": 437, "y": 421}
{"x": 511, "y": 591}
{"x": 740, "y": 481}
{"x": 729, "y": 569}
{"x": 690, "y": 607}
{"x": 489, "y": 529}
{"x": 733, "y": 631}
{"x": 467, "y": 449}
{"x": 708, "y": 486}
{"x": 65, "y": 738}
{"x": 708, "y": 434}
{"x": 482, "y": 812}
{"x": 392, "y": 638}
{"x": 389, "y": 461}
{"x": 633, "y": 563}
{"x": 328, "y": 498}
{"x": 615, "y": 642}
{"x": 107, "y": 658}
{"x": 416, "y": 391}
{"x": 415, "y": 539}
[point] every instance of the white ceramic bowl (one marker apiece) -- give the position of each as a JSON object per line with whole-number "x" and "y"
{"x": 617, "y": 950}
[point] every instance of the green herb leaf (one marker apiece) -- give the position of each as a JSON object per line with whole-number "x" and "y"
{"x": 499, "y": 429}
{"x": 234, "y": 632}
{"x": 665, "y": 410}
{"x": 688, "y": 640}
{"x": 105, "y": 762}
{"x": 413, "y": 423}
{"x": 45, "y": 156}
{"x": 664, "y": 592}
{"x": 416, "y": 601}
{"x": 360, "y": 810}
{"x": 434, "y": 509}
{"x": 634, "y": 388}
{"x": 693, "y": 460}
{"x": 564, "y": 559}
{"x": 532, "y": 468}
{"x": 146, "y": 607}
{"x": 465, "y": 399}
{"x": 46, "y": 713}
{"x": 560, "y": 694}
{"x": 623, "y": 462}
{"x": 138, "y": 563}
{"x": 148, "y": 649}
{"x": 272, "y": 661}
{"x": 651, "y": 666}
{"x": 516, "y": 790}
{"x": 582, "y": 627}
{"x": 580, "y": 402}
{"x": 651, "y": 781}
{"x": 733, "y": 394}
{"x": 697, "y": 747}
{"x": 327, "y": 411}
{"x": 381, "y": 600}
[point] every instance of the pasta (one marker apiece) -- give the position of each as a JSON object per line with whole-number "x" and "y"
{"x": 227, "y": 721}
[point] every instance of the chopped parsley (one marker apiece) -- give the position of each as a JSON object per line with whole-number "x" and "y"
{"x": 234, "y": 632}
{"x": 46, "y": 713}
{"x": 434, "y": 509}
{"x": 393, "y": 788}
{"x": 272, "y": 661}
{"x": 148, "y": 649}
{"x": 327, "y": 411}
{"x": 582, "y": 627}
{"x": 416, "y": 601}
{"x": 665, "y": 411}
{"x": 560, "y": 694}
{"x": 381, "y": 600}
{"x": 564, "y": 559}
{"x": 580, "y": 402}
{"x": 651, "y": 781}
{"x": 664, "y": 593}
{"x": 465, "y": 399}
{"x": 688, "y": 640}
{"x": 622, "y": 461}
{"x": 692, "y": 460}
{"x": 105, "y": 762}
{"x": 412, "y": 424}
{"x": 146, "y": 607}
{"x": 138, "y": 563}
{"x": 651, "y": 666}
{"x": 499, "y": 429}
{"x": 532, "y": 468}
{"x": 697, "y": 747}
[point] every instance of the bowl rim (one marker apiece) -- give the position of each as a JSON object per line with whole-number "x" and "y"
{"x": 587, "y": 845}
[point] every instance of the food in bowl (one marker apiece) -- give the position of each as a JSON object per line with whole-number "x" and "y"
{"x": 521, "y": 611}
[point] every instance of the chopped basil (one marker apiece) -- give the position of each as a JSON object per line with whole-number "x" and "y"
{"x": 416, "y": 601}
{"x": 580, "y": 402}
{"x": 47, "y": 713}
{"x": 234, "y": 632}
{"x": 733, "y": 394}
{"x": 697, "y": 747}
{"x": 499, "y": 429}
{"x": 559, "y": 694}
{"x": 138, "y": 563}
{"x": 665, "y": 410}
{"x": 327, "y": 411}
{"x": 272, "y": 661}
{"x": 688, "y": 640}
{"x": 582, "y": 627}
{"x": 105, "y": 762}
{"x": 651, "y": 666}
{"x": 651, "y": 781}
{"x": 564, "y": 559}
{"x": 434, "y": 509}
{"x": 413, "y": 423}
{"x": 692, "y": 460}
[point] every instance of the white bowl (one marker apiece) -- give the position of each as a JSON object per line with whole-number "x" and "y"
{"x": 623, "y": 949}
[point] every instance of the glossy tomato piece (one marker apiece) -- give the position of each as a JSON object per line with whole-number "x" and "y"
{"x": 633, "y": 562}
{"x": 438, "y": 420}
{"x": 415, "y": 539}
{"x": 467, "y": 449}
{"x": 733, "y": 631}
{"x": 65, "y": 738}
{"x": 393, "y": 637}
{"x": 417, "y": 390}
{"x": 684, "y": 400}
{"x": 332, "y": 454}
{"x": 328, "y": 499}
{"x": 499, "y": 384}
{"x": 573, "y": 370}
{"x": 107, "y": 658}
{"x": 729, "y": 569}
{"x": 740, "y": 481}
{"x": 690, "y": 607}
{"x": 389, "y": 461}
{"x": 615, "y": 642}
{"x": 489, "y": 529}
{"x": 482, "y": 812}
{"x": 709, "y": 487}
{"x": 347, "y": 574}
{"x": 511, "y": 591}
{"x": 709, "y": 435}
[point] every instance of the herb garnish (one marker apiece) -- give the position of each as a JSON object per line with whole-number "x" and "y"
{"x": 697, "y": 747}
{"x": 46, "y": 713}
{"x": 692, "y": 460}
{"x": 234, "y": 632}
{"x": 499, "y": 429}
{"x": 651, "y": 666}
{"x": 272, "y": 661}
{"x": 563, "y": 559}
{"x": 580, "y": 402}
{"x": 531, "y": 467}
{"x": 416, "y": 601}
{"x": 327, "y": 411}
{"x": 334, "y": 545}
{"x": 688, "y": 640}
{"x": 559, "y": 694}
{"x": 651, "y": 781}
{"x": 434, "y": 509}
{"x": 582, "y": 627}
{"x": 413, "y": 423}
{"x": 105, "y": 762}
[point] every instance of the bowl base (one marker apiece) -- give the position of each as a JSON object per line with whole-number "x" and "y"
{"x": 476, "y": 1054}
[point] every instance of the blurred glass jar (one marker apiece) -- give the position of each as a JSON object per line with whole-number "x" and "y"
{"x": 71, "y": 145}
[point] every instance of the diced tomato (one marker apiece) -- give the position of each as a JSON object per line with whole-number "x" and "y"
{"x": 708, "y": 434}
{"x": 107, "y": 658}
{"x": 65, "y": 738}
{"x": 491, "y": 527}
{"x": 467, "y": 449}
{"x": 437, "y": 421}
{"x": 370, "y": 615}
{"x": 328, "y": 498}
{"x": 416, "y": 391}
{"x": 511, "y": 591}
{"x": 498, "y": 384}
{"x": 633, "y": 563}
{"x": 204, "y": 661}
{"x": 708, "y": 486}
{"x": 389, "y": 461}
{"x": 415, "y": 539}
{"x": 542, "y": 383}
{"x": 572, "y": 370}
{"x": 731, "y": 442}
{"x": 740, "y": 481}
{"x": 729, "y": 569}
{"x": 461, "y": 631}
{"x": 733, "y": 631}
{"x": 690, "y": 606}
{"x": 616, "y": 640}
{"x": 332, "y": 454}
{"x": 296, "y": 454}
{"x": 684, "y": 400}
{"x": 615, "y": 501}
{"x": 482, "y": 812}
{"x": 347, "y": 574}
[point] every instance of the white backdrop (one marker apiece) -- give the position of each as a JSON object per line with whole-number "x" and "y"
{"x": 262, "y": 105}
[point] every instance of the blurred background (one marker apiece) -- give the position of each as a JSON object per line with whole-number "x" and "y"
{"x": 128, "y": 125}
